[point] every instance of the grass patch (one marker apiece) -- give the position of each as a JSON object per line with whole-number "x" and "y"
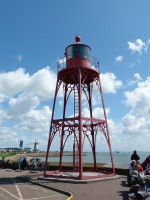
{"x": 7, "y": 154}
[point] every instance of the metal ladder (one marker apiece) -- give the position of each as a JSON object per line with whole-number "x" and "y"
{"x": 76, "y": 102}
{"x": 76, "y": 140}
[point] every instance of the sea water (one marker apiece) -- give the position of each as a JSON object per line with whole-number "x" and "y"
{"x": 102, "y": 157}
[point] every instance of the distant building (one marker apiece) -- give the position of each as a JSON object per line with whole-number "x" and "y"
{"x": 27, "y": 149}
{"x": 9, "y": 149}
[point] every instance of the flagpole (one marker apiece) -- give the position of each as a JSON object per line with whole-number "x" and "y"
{"x": 20, "y": 146}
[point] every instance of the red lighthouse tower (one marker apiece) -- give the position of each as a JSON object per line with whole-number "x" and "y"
{"x": 79, "y": 73}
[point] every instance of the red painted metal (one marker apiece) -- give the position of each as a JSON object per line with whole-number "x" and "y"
{"x": 78, "y": 38}
{"x": 78, "y": 71}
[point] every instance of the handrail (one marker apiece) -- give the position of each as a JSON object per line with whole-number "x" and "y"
{"x": 61, "y": 63}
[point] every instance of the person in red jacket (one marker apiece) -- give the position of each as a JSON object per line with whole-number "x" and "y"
{"x": 140, "y": 168}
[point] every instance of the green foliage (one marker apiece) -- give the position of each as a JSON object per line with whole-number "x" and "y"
{"x": 7, "y": 154}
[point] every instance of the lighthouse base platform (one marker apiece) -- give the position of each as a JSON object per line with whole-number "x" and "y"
{"x": 73, "y": 177}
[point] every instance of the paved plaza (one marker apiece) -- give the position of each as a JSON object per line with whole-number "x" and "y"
{"x": 26, "y": 186}
{"x": 12, "y": 188}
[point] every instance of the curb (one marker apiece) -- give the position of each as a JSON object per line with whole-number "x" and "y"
{"x": 79, "y": 181}
{"x": 69, "y": 198}
{"x": 49, "y": 187}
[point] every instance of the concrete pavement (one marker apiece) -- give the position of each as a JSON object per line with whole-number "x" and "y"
{"x": 12, "y": 188}
{"x": 112, "y": 189}
{"x": 28, "y": 186}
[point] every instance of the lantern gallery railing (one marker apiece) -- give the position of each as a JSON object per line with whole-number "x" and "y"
{"x": 62, "y": 63}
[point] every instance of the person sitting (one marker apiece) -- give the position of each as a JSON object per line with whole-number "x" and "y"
{"x": 139, "y": 166}
{"x": 132, "y": 167}
{"x": 131, "y": 171}
{"x": 24, "y": 163}
{"x": 135, "y": 156}
{"x": 3, "y": 162}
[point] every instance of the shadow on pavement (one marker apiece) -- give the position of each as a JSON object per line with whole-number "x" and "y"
{"x": 124, "y": 193}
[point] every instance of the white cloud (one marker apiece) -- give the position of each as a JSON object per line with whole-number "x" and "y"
{"x": 135, "y": 125}
{"x": 19, "y": 57}
{"x": 12, "y": 83}
{"x": 137, "y": 78}
{"x": 35, "y": 120}
{"x": 109, "y": 83}
{"x": 97, "y": 112}
{"x": 119, "y": 58}
{"x": 3, "y": 114}
{"x": 22, "y": 104}
{"x": 132, "y": 65}
{"x": 132, "y": 131}
{"x": 138, "y": 46}
{"x": 23, "y": 113}
{"x": 22, "y": 92}
{"x": 8, "y": 137}
{"x": 42, "y": 84}
{"x": 139, "y": 98}
{"x": 22, "y": 97}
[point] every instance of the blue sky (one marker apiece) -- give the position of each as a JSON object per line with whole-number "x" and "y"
{"x": 34, "y": 35}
